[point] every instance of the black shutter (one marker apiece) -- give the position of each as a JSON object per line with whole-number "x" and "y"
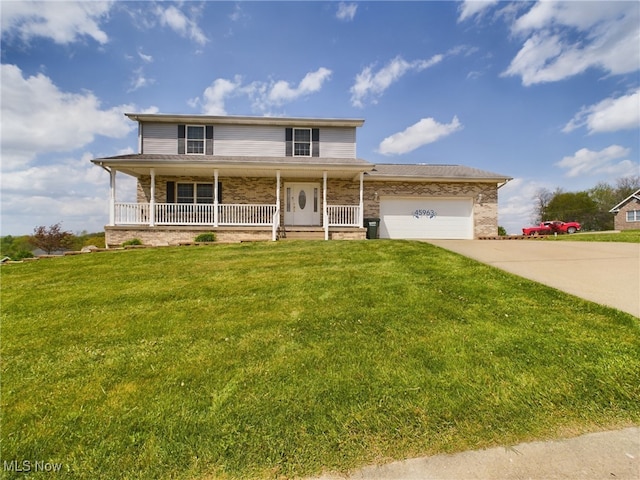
{"x": 181, "y": 143}
{"x": 171, "y": 192}
{"x": 219, "y": 192}
{"x": 288, "y": 139}
{"x": 315, "y": 142}
{"x": 209, "y": 140}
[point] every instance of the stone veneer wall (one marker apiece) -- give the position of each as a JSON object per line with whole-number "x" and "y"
{"x": 620, "y": 220}
{"x": 163, "y": 235}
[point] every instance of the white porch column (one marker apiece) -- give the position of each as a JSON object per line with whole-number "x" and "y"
{"x": 276, "y": 218}
{"x": 361, "y": 219}
{"x": 112, "y": 197}
{"x": 215, "y": 198}
{"x": 325, "y": 218}
{"x": 152, "y": 203}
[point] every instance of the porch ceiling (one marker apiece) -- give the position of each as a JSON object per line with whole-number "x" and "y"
{"x": 177, "y": 165}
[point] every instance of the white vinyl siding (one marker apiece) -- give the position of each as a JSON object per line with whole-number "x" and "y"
{"x": 159, "y": 138}
{"x": 248, "y": 140}
{"x": 338, "y": 142}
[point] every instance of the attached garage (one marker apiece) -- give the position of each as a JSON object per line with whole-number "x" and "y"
{"x": 418, "y": 201}
{"x": 426, "y": 217}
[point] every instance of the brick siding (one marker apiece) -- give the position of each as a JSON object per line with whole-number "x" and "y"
{"x": 339, "y": 192}
{"x": 620, "y": 220}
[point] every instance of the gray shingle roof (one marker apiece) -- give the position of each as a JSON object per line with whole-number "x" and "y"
{"x": 223, "y": 160}
{"x": 385, "y": 171}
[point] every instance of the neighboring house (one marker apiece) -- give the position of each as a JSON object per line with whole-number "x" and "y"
{"x": 265, "y": 178}
{"x": 627, "y": 213}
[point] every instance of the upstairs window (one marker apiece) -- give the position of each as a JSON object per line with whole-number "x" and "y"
{"x": 301, "y": 142}
{"x": 195, "y": 140}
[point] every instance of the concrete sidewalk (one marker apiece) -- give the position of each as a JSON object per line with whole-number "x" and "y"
{"x": 603, "y": 272}
{"x": 595, "y": 456}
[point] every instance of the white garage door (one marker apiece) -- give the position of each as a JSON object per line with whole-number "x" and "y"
{"x": 426, "y": 217}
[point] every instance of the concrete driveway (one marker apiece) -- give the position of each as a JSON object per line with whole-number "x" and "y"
{"x": 603, "y": 272}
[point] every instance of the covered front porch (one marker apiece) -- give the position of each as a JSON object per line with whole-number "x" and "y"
{"x": 179, "y": 201}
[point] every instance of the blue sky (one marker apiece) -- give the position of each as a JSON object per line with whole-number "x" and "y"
{"x": 545, "y": 92}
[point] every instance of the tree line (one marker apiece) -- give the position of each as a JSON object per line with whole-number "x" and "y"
{"x": 47, "y": 239}
{"x": 589, "y": 207}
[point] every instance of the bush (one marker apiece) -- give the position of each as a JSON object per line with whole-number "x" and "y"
{"x": 133, "y": 241}
{"x": 21, "y": 254}
{"x": 206, "y": 237}
{"x": 97, "y": 240}
{"x": 502, "y": 231}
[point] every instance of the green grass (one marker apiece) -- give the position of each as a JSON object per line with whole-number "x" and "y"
{"x": 285, "y": 359}
{"x": 627, "y": 236}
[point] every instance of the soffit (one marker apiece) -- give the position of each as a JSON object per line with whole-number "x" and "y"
{"x": 240, "y": 120}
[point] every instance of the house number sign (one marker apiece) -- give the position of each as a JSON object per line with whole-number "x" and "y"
{"x": 424, "y": 213}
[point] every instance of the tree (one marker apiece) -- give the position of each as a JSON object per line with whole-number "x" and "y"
{"x": 16, "y": 248}
{"x": 572, "y": 207}
{"x": 51, "y": 239}
{"x": 542, "y": 198}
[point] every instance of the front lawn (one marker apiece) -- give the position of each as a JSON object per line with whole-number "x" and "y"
{"x": 285, "y": 359}
{"x": 627, "y": 236}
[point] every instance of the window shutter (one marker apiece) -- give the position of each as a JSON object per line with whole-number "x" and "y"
{"x": 288, "y": 139}
{"x": 209, "y": 140}
{"x": 171, "y": 192}
{"x": 315, "y": 142}
{"x": 219, "y": 192}
{"x": 181, "y": 142}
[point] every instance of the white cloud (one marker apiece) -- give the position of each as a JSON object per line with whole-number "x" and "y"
{"x": 471, "y": 8}
{"x": 63, "y": 22}
{"x": 281, "y": 92}
{"x": 346, "y": 11}
{"x": 181, "y": 24}
{"x": 422, "y": 133}
{"x": 517, "y": 204}
{"x": 609, "y": 115}
{"x": 263, "y": 95}
{"x": 567, "y": 38}
{"x": 372, "y": 85}
{"x": 65, "y": 121}
{"x": 69, "y": 190}
{"x": 215, "y": 95}
{"x": 145, "y": 58}
{"x": 607, "y": 161}
{"x": 139, "y": 80}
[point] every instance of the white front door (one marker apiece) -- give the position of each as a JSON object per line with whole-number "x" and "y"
{"x": 302, "y": 203}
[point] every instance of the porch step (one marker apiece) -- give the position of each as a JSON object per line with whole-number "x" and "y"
{"x": 303, "y": 235}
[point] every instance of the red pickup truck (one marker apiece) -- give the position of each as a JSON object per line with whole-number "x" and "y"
{"x": 548, "y": 228}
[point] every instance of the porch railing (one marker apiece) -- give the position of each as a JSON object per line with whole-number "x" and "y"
{"x": 132, "y": 213}
{"x": 257, "y": 214}
{"x": 195, "y": 214}
{"x": 228, "y": 214}
{"x": 184, "y": 214}
{"x": 343, "y": 215}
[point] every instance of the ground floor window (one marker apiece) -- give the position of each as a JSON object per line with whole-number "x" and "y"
{"x": 633, "y": 216}
{"x": 194, "y": 193}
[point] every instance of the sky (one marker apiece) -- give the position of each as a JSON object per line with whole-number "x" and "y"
{"x": 545, "y": 92}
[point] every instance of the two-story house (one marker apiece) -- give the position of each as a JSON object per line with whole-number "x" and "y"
{"x": 265, "y": 178}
